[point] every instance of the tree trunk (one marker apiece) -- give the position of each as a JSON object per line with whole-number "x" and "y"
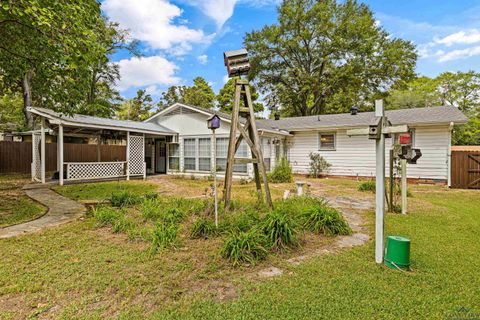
{"x": 27, "y": 97}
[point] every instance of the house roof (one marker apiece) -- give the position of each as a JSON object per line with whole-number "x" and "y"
{"x": 417, "y": 116}
{"x": 79, "y": 120}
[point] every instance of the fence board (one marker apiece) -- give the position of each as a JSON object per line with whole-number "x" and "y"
{"x": 463, "y": 169}
{"x": 16, "y": 157}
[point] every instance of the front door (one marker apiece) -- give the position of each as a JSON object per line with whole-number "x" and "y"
{"x": 160, "y": 156}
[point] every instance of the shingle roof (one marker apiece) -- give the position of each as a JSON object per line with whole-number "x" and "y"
{"x": 122, "y": 125}
{"x": 433, "y": 115}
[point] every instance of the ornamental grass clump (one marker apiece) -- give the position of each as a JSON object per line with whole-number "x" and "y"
{"x": 203, "y": 228}
{"x": 106, "y": 215}
{"x": 280, "y": 229}
{"x": 241, "y": 221}
{"x": 325, "y": 220}
{"x": 245, "y": 247}
{"x": 282, "y": 173}
{"x": 367, "y": 186}
{"x": 164, "y": 236}
{"x": 151, "y": 209}
{"x": 124, "y": 198}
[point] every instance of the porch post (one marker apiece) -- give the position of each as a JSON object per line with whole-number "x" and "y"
{"x": 144, "y": 163}
{"x": 33, "y": 165}
{"x": 99, "y": 142}
{"x": 60, "y": 154}
{"x": 42, "y": 150}
{"x": 128, "y": 156}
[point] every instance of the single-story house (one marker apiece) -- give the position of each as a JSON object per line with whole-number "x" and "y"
{"x": 176, "y": 140}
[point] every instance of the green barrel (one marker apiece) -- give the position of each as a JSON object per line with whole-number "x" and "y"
{"x": 397, "y": 253}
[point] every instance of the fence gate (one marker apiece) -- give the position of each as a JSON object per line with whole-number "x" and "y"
{"x": 465, "y": 169}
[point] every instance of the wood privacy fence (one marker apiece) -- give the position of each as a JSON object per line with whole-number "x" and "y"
{"x": 466, "y": 169}
{"x": 16, "y": 157}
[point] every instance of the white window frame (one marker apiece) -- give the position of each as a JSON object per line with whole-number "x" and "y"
{"x": 172, "y": 156}
{"x": 209, "y": 153}
{"x": 195, "y": 157}
{"x": 319, "y": 137}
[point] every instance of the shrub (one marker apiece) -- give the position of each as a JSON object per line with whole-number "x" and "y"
{"x": 203, "y": 228}
{"x": 282, "y": 173}
{"x": 367, "y": 186}
{"x": 279, "y": 229}
{"x": 245, "y": 247}
{"x": 318, "y": 165}
{"x": 326, "y": 220}
{"x": 124, "y": 198}
{"x": 295, "y": 206}
{"x": 150, "y": 209}
{"x": 164, "y": 236}
{"x": 106, "y": 215}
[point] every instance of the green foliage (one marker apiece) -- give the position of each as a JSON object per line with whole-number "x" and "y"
{"x": 200, "y": 94}
{"x": 137, "y": 108}
{"x": 203, "y": 228}
{"x": 282, "y": 173}
{"x": 226, "y": 95}
{"x": 106, "y": 215}
{"x": 123, "y": 224}
{"x": 325, "y": 56}
{"x": 368, "y": 185}
{"x": 151, "y": 209}
{"x": 164, "y": 236}
{"x": 318, "y": 165}
{"x": 280, "y": 229}
{"x": 245, "y": 247}
{"x": 325, "y": 220}
{"x": 11, "y": 115}
{"x": 124, "y": 198}
{"x": 243, "y": 220}
{"x": 172, "y": 215}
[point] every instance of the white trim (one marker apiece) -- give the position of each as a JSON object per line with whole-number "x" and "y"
{"x": 178, "y": 104}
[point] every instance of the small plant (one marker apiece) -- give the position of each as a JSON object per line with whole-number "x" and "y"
{"x": 123, "y": 225}
{"x": 151, "y": 195}
{"x": 164, "y": 236}
{"x": 367, "y": 186}
{"x": 245, "y": 247}
{"x": 318, "y": 165}
{"x": 326, "y": 220}
{"x": 282, "y": 173}
{"x": 106, "y": 215}
{"x": 203, "y": 228}
{"x": 150, "y": 209}
{"x": 124, "y": 198}
{"x": 279, "y": 229}
{"x": 243, "y": 221}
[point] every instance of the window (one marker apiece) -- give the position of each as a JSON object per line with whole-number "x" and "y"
{"x": 173, "y": 156}
{"x": 266, "y": 152}
{"x": 222, "y": 150}
{"x": 326, "y": 141}
{"x": 204, "y": 154}
{"x": 189, "y": 154}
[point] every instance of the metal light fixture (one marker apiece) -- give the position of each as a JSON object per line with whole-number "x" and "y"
{"x": 237, "y": 62}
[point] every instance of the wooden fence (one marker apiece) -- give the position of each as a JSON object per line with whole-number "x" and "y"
{"x": 16, "y": 157}
{"x": 465, "y": 169}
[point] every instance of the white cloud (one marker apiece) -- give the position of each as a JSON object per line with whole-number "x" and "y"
{"x": 152, "y": 21}
{"x": 225, "y": 79}
{"x": 460, "y": 54}
{"x": 462, "y": 37}
{"x": 203, "y": 59}
{"x": 148, "y": 71}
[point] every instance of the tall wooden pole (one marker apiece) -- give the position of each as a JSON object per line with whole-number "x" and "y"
{"x": 60, "y": 154}
{"x": 42, "y": 150}
{"x": 404, "y": 186}
{"x": 128, "y": 156}
{"x": 380, "y": 186}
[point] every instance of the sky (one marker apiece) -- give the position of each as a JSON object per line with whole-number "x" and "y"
{"x": 182, "y": 39}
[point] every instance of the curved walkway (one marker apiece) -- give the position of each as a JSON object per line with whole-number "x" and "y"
{"x": 60, "y": 210}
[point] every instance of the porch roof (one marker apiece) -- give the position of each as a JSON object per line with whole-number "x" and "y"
{"x": 79, "y": 120}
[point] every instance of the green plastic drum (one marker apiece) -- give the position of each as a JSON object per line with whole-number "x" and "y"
{"x": 397, "y": 253}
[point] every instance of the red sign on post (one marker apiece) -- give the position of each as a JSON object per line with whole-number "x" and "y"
{"x": 405, "y": 139}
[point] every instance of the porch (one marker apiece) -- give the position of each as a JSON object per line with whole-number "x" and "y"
{"x": 141, "y": 156}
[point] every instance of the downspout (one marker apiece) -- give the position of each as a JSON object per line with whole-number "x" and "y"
{"x": 449, "y": 155}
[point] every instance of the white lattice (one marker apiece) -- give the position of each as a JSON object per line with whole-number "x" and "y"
{"x": 136, "y": 147}
{"x": 36, "y": 157}
{"x": 95, "y": 170}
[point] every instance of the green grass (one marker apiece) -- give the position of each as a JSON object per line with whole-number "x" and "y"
{"x": 80, "y": 271}
{"x": 104, "y": 190}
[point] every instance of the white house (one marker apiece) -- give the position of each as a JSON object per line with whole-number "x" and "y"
{"x": 177, "y": 141}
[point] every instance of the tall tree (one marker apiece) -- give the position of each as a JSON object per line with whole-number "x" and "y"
{"x": 200, "y": 94}
{"x": 46, "y": 50}
{"x": 136, "y": 109}
{"x": 460, "y": 89}
{"x": 418, "y": 93}
{"x": 225, "y": 97}
{"x": 172, "y": 95}
{"x": 325, "y": 56}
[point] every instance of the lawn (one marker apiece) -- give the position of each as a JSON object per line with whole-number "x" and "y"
{"x": 83, "y": 271}
{"x": 15, "y": 206}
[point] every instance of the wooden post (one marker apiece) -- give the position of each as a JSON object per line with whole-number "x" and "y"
{"x": 391, "y": 182}
{"x": 42, "y": 150}
{"x": 380, "y": 186}
{"x": 99, "y": 142}
{"x": 404, "y": 186}
{"x": 60, "y": 154}
{"x": 128, "y": 156}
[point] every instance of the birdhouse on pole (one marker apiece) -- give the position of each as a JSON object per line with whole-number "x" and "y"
{"x": 237, "y": 62}
{"x": 213, "y": 123}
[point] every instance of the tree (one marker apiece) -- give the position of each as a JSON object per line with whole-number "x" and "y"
{"x": 172, "y": 95}
{"x": 419, "y": 93}
{"x": 51, "y": 48}
{"x": 460, "y": 89}
{"x": 325, "y": 56}
{"x": 136, "y": 109}
{"x": 225, "y": 97}
{"x": 200, "y": 94}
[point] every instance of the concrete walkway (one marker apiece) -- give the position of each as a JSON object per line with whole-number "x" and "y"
{"x": 60, "y": 210}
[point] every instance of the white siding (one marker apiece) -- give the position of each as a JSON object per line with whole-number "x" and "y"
{"x": 356, "y": 155}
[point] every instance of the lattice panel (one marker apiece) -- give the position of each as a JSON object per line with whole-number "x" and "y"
{"x": 95, "y": 170}
{"x": 136, "y": 148}
{"x": 36, "y": 157}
